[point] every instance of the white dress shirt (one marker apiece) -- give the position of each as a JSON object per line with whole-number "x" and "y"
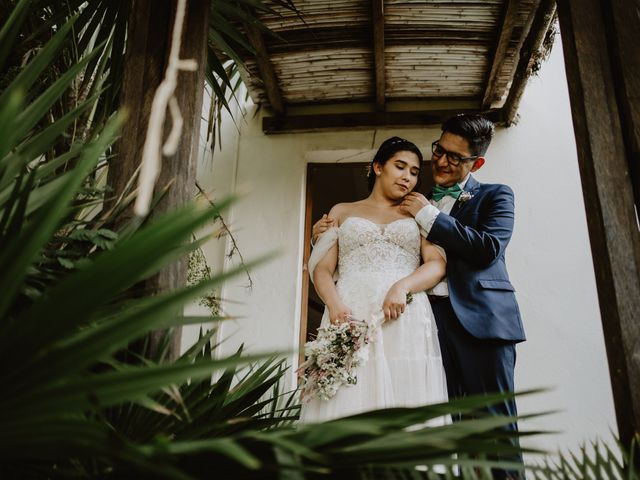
{"x": 425, "y": 218}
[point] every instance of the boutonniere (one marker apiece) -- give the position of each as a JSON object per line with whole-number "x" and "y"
{"x": 465, "y": 197}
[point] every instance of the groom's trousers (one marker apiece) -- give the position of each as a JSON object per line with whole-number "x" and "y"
{"x": 475, "y": 366}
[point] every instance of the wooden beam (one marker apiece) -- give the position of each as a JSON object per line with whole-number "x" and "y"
{"x": 265, "y": 67}
{"x": 339, "y": 121}
{"x": 601, "y": 90}
{"x": 148, "y": 43}
{"x": 508, "y": 22}
{"x": 623, "y": 45}
{"x": 531, "y": 46}
{"x": 377, "y": 18}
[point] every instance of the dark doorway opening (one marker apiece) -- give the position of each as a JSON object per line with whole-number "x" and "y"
{"x": 328, "y": 184}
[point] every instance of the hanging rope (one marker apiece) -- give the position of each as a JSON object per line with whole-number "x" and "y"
{"x": 164, "y": 98}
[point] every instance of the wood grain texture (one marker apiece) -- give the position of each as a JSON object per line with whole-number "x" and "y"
{"x": 509, "y": 21}
{"x": 151, "y": 22}
{"x": 377, "y": 20}
{"x": 625, "y": 57}
{"x": 604, "y": 160}
{"x": 145, "y": 61}
{"x": 530, "y": 47}
{"x": 332, "y": 51}
{"x": 311, "y": 123}
{"x": 267, "y": 73}
{"x": 305, "y": 265}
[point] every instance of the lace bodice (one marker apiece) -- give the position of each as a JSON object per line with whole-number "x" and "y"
{"x": 366, "y": 247}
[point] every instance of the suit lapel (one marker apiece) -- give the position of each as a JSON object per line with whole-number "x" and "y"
{"x": 471, "y": 186}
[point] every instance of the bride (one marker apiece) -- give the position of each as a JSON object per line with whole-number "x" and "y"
{"x": 363, "y": 269}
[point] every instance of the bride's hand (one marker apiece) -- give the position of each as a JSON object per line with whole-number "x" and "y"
{"x": 395, "y": 302}
{"x": 339, "y": 313}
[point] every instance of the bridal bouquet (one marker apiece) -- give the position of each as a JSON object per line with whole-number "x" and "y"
{"x": 332, "y": 358}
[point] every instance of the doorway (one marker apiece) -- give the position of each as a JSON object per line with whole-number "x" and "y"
{"x": 328, "y": 184}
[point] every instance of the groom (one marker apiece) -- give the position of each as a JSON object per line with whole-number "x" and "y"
{"x": 475, "y": 307}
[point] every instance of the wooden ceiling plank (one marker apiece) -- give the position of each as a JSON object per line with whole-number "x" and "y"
{"x": 509, "y": 21}
{"x": 377, "y": 19}
{"x": 267, "y": 73}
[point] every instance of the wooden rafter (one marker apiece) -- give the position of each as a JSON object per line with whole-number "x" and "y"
{"x": 509, "y": 21}
{"x": 377, "y": 19}
{"x": 531, "y": 46}
{"x": 380, "y": 52}
{"x": 267, "y": 72}
{"x": 339, "y": 121}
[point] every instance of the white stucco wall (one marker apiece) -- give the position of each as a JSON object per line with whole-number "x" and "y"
{"x": 549, "y": 257}
{"x": 217, "y": 177}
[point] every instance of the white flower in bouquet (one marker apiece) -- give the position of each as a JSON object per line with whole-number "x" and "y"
{"x": 333, "y": 357}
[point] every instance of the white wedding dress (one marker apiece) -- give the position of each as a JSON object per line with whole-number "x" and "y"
{"x": 405, "y": 365}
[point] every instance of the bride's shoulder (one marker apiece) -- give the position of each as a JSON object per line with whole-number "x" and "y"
{"x": 340, "y": 211}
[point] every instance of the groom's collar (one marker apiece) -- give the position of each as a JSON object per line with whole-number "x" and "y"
{"x": 471, "y": 184}
{"x": 464, "y": 182}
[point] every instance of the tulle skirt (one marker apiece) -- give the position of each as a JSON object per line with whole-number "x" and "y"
{"x": 404, "y": 368}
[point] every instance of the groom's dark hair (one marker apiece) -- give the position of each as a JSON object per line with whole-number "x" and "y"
{"x": 476, "y": 129}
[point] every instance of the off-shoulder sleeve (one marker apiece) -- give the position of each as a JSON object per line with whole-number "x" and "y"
{"x": 325, "y": 242}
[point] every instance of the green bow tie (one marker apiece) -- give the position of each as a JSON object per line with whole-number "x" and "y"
{"x": 440, "y": 192}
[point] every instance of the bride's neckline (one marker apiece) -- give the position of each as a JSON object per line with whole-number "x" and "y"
{"x": 374, "y": 223}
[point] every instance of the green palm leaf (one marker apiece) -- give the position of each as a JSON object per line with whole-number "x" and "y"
{"x": 22, "y": 250}
{"x": 77, "y": 403}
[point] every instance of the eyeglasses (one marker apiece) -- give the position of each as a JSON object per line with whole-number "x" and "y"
{"x": 453, "y": 158}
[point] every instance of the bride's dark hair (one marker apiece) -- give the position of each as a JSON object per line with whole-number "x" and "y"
{"x": 388, "y": 149}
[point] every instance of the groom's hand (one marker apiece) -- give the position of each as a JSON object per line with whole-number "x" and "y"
{"x": 321, "y": 226}
{"x": 413, "y": 203}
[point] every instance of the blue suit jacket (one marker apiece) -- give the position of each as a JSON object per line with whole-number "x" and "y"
{"x": 475, "y": 235}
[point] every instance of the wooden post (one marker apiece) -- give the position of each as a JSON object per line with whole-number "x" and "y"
{"x": 148, "y": 43}
{"x": 146, "y": 55}
{"x": 604, "y": 89}
{"x": 623, "y": 43}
